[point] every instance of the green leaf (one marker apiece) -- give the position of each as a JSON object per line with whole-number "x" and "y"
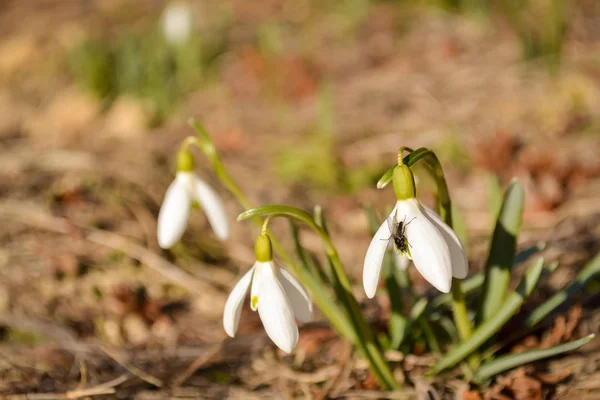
{"x": 475, "y": 282}
{"x": 591, "y": 269}
{"x": 502, "y": 252}
{"x": 430, "y": 337}
{"x": 494, "y": 195}
{"x": 469, "y": 285}
{"x": 411, "y": 159}
{"x": 315, "y": 264}
{"x": 386, "y": 178}
{"x": 416, "y": 312}
{"x": 307, "y": 258}
{"x": 447, "y": 325}
{"x": 397, "y": 321}
{"x": 523, "y": 255}
{"x": 460, "y": 227}
{"x": 320, "y": 218}
{"x": 507, "y": 362}
{"x": 300, "y": 252}
{"x": 415, "y": 156}
{"x": 495, "y": 323}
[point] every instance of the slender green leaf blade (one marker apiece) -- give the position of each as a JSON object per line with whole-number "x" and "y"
{"x": 591, "y": 269}
{"x": 320, "y": 218}
{"x": 460, "y": 227}
{"x": 523, "y": 255}
{"x": 495, "y": 323}
{"x": 300, "y": 252}
{"x": 469, "y": 285}
{"x": 475, "y": 282}
{"x": 507, "y": 362}
{"x": 502, "y": 252}
{"x": 307, "y": 258}
{"x": 406, "y": 326}
{"x": 494, "y": 195}
{"x": 386, "y": 178}
{"x": 397, "y": 320}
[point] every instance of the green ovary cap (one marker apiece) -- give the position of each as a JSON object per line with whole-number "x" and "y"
{"x": 185, "y": 161}
{"x": 262, "y": 248}
{"x": 404, "y": 182}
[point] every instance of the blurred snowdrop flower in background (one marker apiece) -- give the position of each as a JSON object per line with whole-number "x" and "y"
{"x": 186, "y": 190}
{"x": 177, "y": 22}
{"x": 277, "y": 295}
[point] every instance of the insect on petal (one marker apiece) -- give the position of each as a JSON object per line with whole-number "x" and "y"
{"x": 428, "y": 248}
{"x": 174, "y": 212}
{"x": 233, "y": 306}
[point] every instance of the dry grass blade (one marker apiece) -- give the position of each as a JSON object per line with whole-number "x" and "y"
{"x": 102, "y": 389}
{"x": 146, "y": 377}
{"x": 197, "y": 364}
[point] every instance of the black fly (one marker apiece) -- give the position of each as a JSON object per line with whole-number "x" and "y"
{"x": 399, "y": 235}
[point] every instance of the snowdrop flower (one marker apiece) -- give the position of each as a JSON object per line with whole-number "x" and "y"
{"x": 277, "y": 295}
{"x": 177, "y": 22}
{"x": 419, "y": 234}
{"x": 185, "y": 191}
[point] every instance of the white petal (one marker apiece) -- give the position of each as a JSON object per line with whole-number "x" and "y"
{"x": 177, "y": 22}
{"x": 458, "y": 256}
{"x": 429, "y": 251}
{"x": 233, "y": 306}
{"x": 374, "y": 258}
{"x": 299, "y": 298}
{"x": 401, "y": 261}
{"x": 213, "y": 208}
{"x": 255, "y": 289}
{"x": 275, "y": 309}
{"x": 174, "y": 212}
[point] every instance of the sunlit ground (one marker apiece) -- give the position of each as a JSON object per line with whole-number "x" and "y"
{"x": 307, "y": 104}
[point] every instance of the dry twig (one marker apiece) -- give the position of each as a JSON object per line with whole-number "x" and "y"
{"x": 146, "y": 377}
{"x": 197, "y": 364}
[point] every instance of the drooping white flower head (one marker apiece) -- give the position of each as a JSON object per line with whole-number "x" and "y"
{"x": 417, "y": 233}
{"x": 177, "y": 22}
{"x": 277, "y": 295}
{"x": 183, "y": 192}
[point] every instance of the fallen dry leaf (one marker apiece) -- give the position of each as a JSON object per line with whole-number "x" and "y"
{"x": 553, "y": 379}
{"x": 574, "y": 316}
{"x": 526, "y": 388}
{"x": 471, "y": 395}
